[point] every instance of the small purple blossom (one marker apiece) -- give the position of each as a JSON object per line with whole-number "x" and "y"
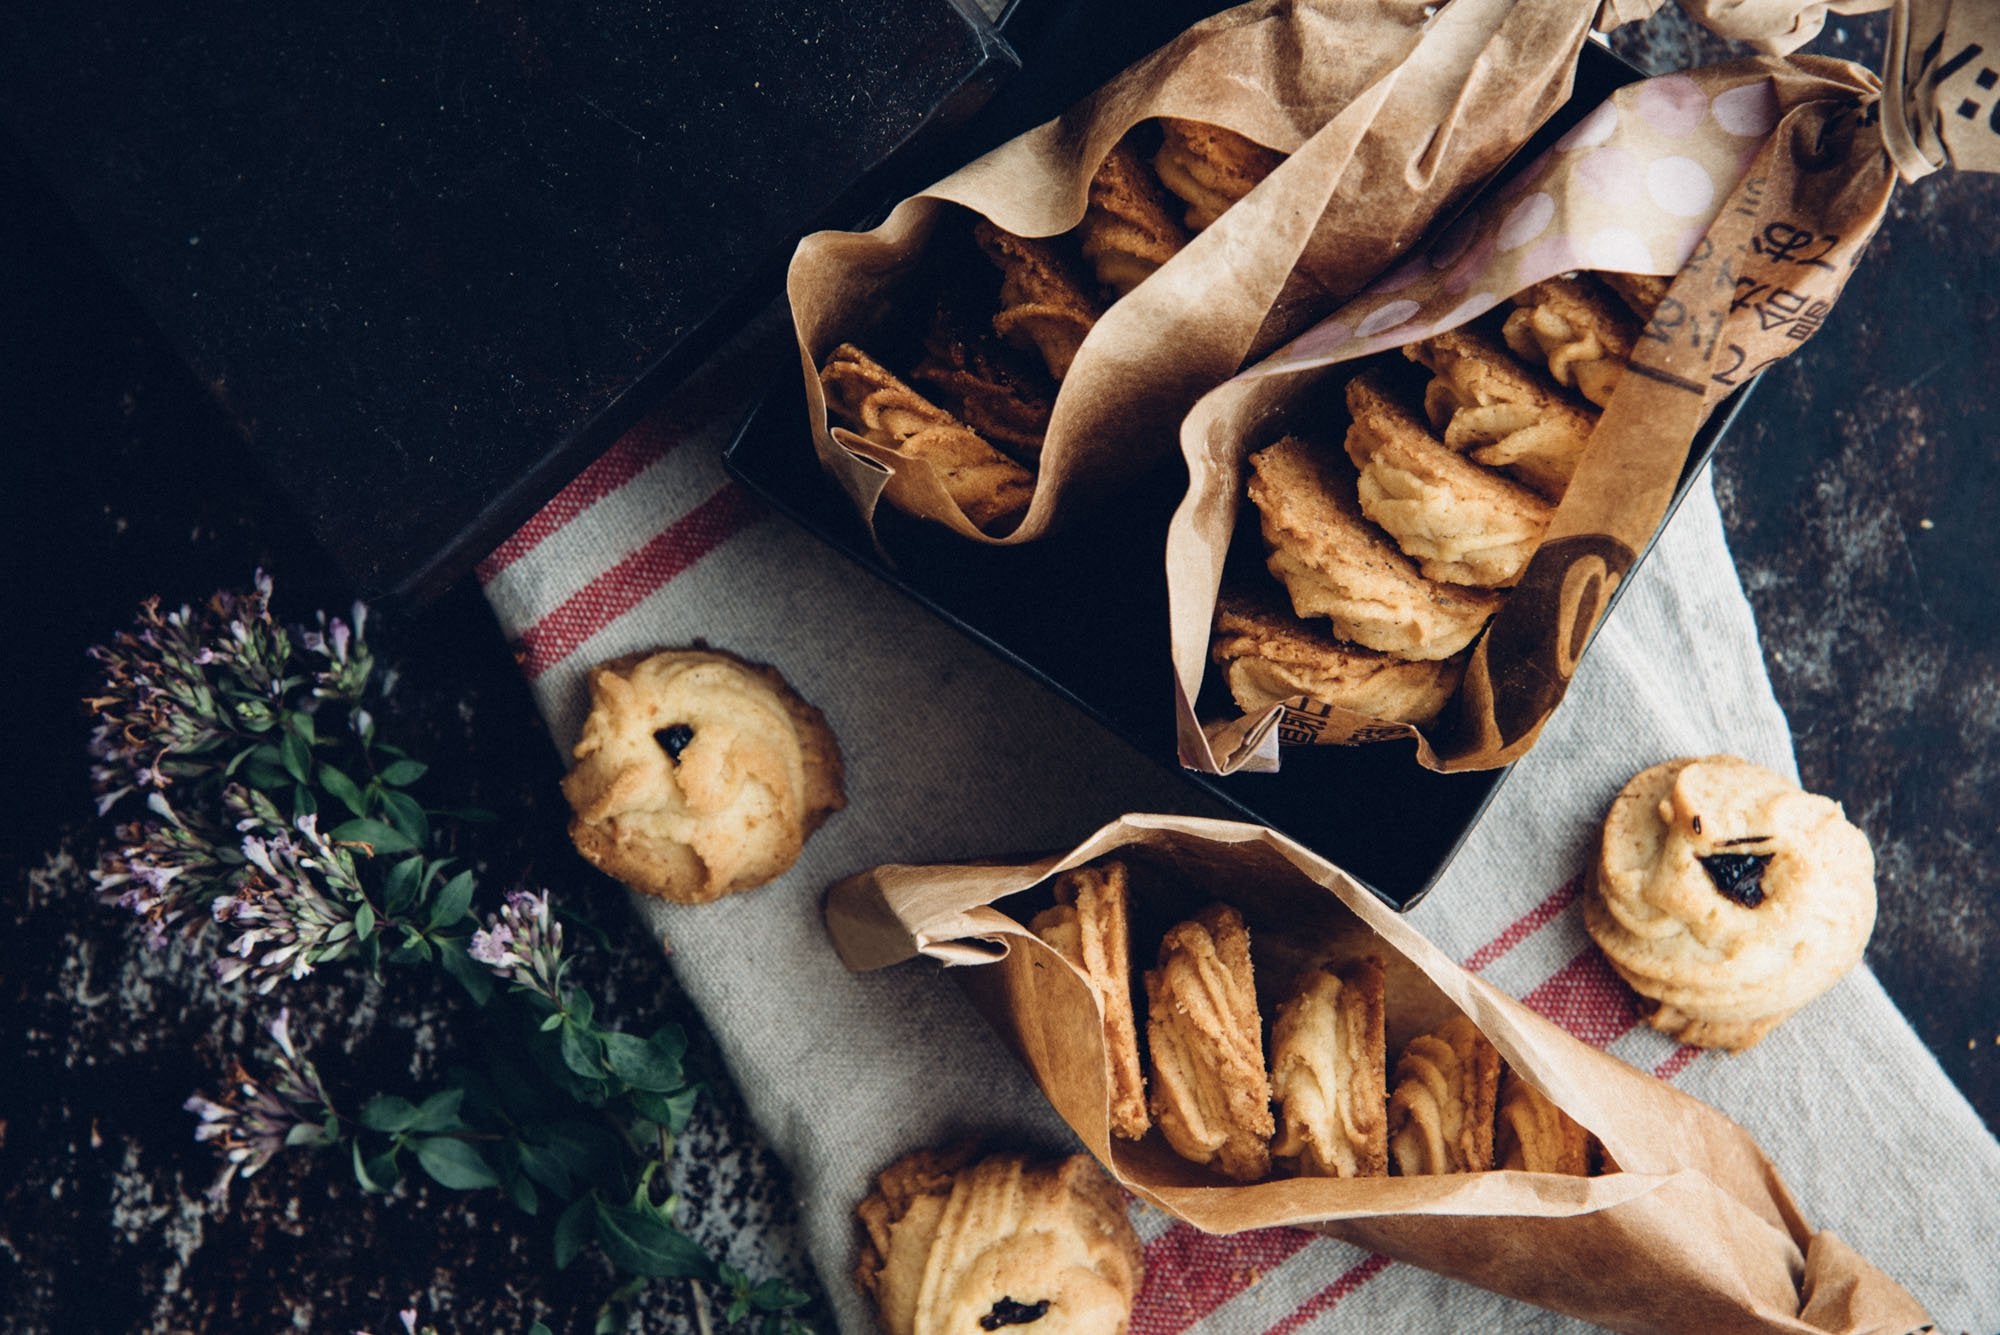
{"x": 255, "y": 1119}
{"x": 348, "y": 660}
{"x": 523, "y": 945}
{"x": 163, "y": 871}
{"x": 285, "y": 921}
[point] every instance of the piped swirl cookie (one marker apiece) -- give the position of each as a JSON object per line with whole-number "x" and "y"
{"x": 1441, "y": 1110}
{"x": 1578, "y": 328}
{"x": 1533, "y": 1135}
{"x": 1494, "y": 410}
{"x": 1336, "y": 564}
{"x": 1461, "y": 523}
{"x": 1268, "y": 656}
{"x": 1128, "y": 230}
{"x": 1090, "y": 926}
{"x": 1211, "y": 1094}
{"x": 1044, "y": 304}
{"x": 698, "y": 774}
{"x": 954, "y": 1246}
{"x": 1727, "y": 897}
{"x": 1209, "y": 167}
{"x": 1327, "y": 1074}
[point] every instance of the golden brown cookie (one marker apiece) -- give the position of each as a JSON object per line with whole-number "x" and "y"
{"x": 1128, "y": 230}
{"x": 1090, "y": 926}
{"x": 1493, "y": 409}
{"x": 1211, "y": 1094}
{"x": 993, "y": 388}
{"x": 990, "y": 488}
{"x": 1461, "y": 523}
{"x": 1043, "y": 303}
{"x": 1533, "y": 1135}
{"x": 698, "y": 774}
{"x": 1336, "y": 564}
{"x": 1578, "y": 329}
{"x": 1441, "y": 1110}
{"x": 1209, "y": 167}
{"x": 1727, "y": 897}
{"x": 1642, "y": 293}
{"x": 1329, "y": 1074}
{"x": 955, "y": 1247}
{"x": 1269, "y": 656}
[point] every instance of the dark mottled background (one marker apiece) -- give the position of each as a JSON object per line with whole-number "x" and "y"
{"x": 1861, "y": 491}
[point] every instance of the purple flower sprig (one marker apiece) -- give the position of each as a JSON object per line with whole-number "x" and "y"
{"x": 254, "y": 1119}
{"x": 523, "y": 945}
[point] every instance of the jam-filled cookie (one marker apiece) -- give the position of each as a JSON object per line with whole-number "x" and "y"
{"x": 1728, "y": 898}
{"x": 698, "y": 774}
{"x": 953, "y": 1247}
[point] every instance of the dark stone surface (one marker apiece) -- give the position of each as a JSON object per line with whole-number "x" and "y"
{"x": 1883, "y": 637}
{"x": 422, "y": 254}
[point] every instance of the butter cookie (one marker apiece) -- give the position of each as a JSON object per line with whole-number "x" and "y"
{"x": 1128, "y": 230}
{"x": 1209, "y": 167}
{"x": 1497, "y": 412}
{"x": 698, "y": 774}
{"x": 1533, "y": 1135}
{"x": 1269, "y": 656}
{"x": 1727, "y": 897}
{"x": 1043, "y": 303}
{"x": 1441, "y": 1110}
{"x": 1578, "y": 328}
{"x": 1090, "y": 926}
{"x": 1211, "y": 1093}
{"x": 1329, "y": 1074}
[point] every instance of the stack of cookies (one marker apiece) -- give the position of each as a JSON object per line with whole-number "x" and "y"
{"x": 1327, "y": 1103}
{"x": 976, "y": 400}
{"x": 1393, "y": 558}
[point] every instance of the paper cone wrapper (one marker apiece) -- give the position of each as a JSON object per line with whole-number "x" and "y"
{"x": 1756, "y": 184}
{"x": 1389, "y": 112}
{"x": 1694, "y": 1230}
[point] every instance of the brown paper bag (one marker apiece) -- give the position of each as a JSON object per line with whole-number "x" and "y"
{"x": 1389, "y": 111}
{"x": 1757, "y": 183}
{"x": 1693, "y": 1231}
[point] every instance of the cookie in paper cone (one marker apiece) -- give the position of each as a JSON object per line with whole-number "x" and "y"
{"x": 1441, "y": 1110}
{"x": 1127, "y": 232}
{"x": 1532, "y": 1135}
{"x": 1211, "y": 1094}
{"x": 1090, "y": 926}
{"x": 1329, "y": 1075}
{"x": 1044, "y": 305}
{"x": 1269, "y": 656}
{"x": 1497, "y": 412}
{"x": 1573, "y": 324}
{"x": 1209, "y": 167}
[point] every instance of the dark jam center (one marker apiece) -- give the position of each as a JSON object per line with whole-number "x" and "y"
{"x": 674, "y": 739}
{"x": 1739, "y": 876}
{"x": 1007, "y": 1312}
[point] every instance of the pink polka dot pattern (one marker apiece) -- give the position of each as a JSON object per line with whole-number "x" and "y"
{"x": 1388, "y": 317}
{"x": 1673, "y": 104}
{"x": 1592, "y": 130}
{"x": 1612, "y": 173}
{"x": 1681, "y": 186}
{"x": 1750, "y": 111}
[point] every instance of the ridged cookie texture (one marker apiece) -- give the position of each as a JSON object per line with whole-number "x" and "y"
{"x": 1211, "y": 1093}
{"x": 954, "y": 1245}
{"x": 1329, "y": 1074}
{"x": 1209, "y": 167}
{"x": 1268, "y": 656}
{"x": 1090, "y": 926}
{"x": 1128, "y": 230}
{"x": 1442, "y": 1105}
{"x": 1728, "y": 897}
{"x": 698, "y": 774}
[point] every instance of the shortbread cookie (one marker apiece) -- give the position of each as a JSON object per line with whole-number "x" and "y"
{"x": 1211, "y": 1094}
{"x": 1533, "y": 1135}
{"x": 1043, "y": 303}
{"x": 1269, "y": 656}
{"x": 1642, "y": 293}
{"x": 1329, "y": 1075}
{"x": 1209, "y": 167}
{"x": 996, "y": 390}
{"x": 990, "y": 488}
{"x": 1335, "y": 563}
{"x": 954, "y": 1247}
{"x": 1578, "y": 329}
{"x": 1090, "y": 926}
{"x": 1499, "y": 413}
{"x": 1461, "y": 523}
{"x": 1129, "y": 229}
{"x": 698, "y": 774}
{"x": 1441, "y": 1110}
{"x": 1728, "y": 898}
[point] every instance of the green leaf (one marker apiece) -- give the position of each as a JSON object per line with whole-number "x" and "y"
{"x": 295, "y": 754}
{"x": 407, "y": 815}
{"x": 573, "y": 1229}
{"x": 265, "y": 778}
{"x": 640, "y": 1064}
{"x": 581, "y": 1050}
{"x": 546, "y": 1167}
{"x": 671, "y": 1040}
{"x": 455, "y": 1163}
{"x": 376, "y": 1175}
{"x": 669, "y": 1110}
{"x": 469, "y": 972}
{"x": 389, "y": 1113}
{"x": 581, "y": 1008}
{"x": 364, "y": 921}
{"x": 552, "y": 1022}
{"x": 522, "y": 1193}
{"x": 383, "y": 839}
{"x": 301, "y": 724}
{"x": 539, "y": 1329}
{"x": 343, "y": 789}
{"x": 303, "y": 803}
{"x": 399, "y": 887}
{"x": 452, "y": 901}
{"x": 307, "y": 1133}
{"x": 439, "y": 1112}
{"x": 403, "y": 773}
{"x": 640, "y": 1244}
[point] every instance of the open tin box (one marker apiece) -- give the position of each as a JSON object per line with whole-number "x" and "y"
{"x": 1091, "y": 641}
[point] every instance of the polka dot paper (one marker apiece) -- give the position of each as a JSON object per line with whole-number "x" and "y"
{"x": 1631, "y": 189}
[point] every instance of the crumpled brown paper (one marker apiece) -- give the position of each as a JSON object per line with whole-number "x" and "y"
{"x": 1777, "y": 27}
{"x": 1757, "y": 183}
{"x": 1695, "y": 1231}
{"x": 1390, "y": 110}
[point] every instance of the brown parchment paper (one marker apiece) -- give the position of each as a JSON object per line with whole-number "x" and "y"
{"x": 1696, "y": 1231}
{"x": 1389, "y": 113}
{"x": 1793, "y": 157}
